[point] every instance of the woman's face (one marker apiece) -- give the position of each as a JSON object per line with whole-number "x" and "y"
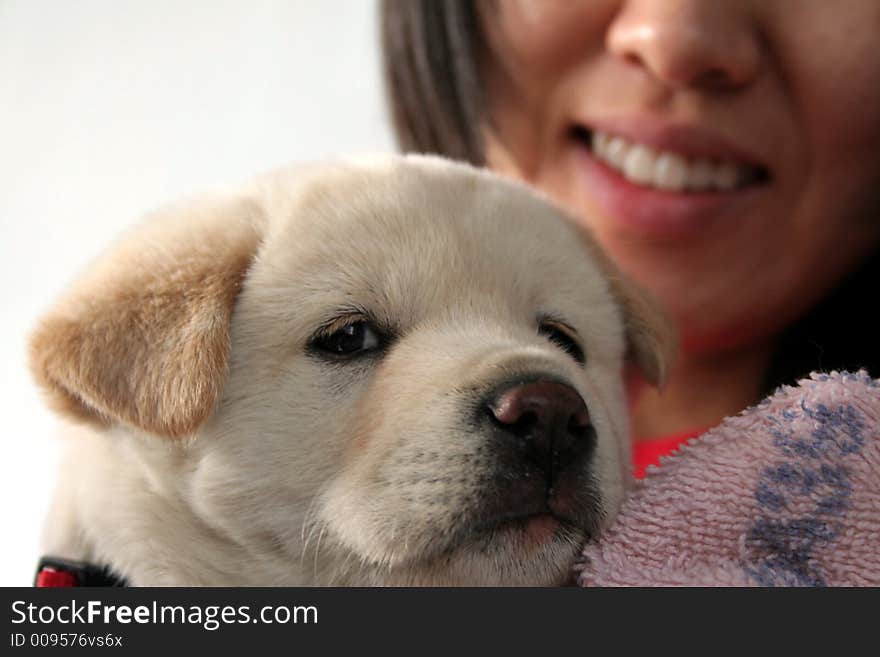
{"x": 726, "y": 154}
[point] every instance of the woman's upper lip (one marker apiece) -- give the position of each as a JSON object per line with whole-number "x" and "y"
{"x": 690, "y": 140}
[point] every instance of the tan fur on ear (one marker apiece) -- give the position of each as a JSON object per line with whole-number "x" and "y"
{"x": 651, "y": 338}
{"x": 144, "y": 337}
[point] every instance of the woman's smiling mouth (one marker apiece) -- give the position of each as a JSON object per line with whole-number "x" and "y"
{"x": 669, "y": 185}
{"x": 665, "y": 169}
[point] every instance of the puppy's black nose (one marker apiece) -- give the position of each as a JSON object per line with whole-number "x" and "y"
{"x": 548, "y": 420}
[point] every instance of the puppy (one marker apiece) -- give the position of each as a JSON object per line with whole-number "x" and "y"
{"x": 381, "y": 371}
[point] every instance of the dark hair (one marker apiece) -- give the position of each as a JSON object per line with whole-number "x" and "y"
{"x": 432, "y": 52}
{"x": 839, "y": 333}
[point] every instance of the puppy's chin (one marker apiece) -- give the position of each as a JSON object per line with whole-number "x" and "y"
{"x": 538, "y": 550}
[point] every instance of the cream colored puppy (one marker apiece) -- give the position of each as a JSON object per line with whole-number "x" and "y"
{"x": 385, "y": 371}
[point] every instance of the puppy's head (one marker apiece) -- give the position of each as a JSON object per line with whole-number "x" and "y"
{"x": 402, "y": 371}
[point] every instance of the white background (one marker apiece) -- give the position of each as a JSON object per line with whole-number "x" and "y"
{"x": 109, "y": 108}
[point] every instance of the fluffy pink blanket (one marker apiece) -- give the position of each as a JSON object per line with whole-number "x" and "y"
{"x": 785, "y": 494}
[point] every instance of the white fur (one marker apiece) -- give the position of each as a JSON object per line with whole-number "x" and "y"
{"x": 309, "y": 473}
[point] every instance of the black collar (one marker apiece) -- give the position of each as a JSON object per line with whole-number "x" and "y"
{"x": 53, "y": 572}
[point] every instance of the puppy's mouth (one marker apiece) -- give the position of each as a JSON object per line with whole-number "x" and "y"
{"x": 530, "y": 530}
{"x": 529, "y": 527}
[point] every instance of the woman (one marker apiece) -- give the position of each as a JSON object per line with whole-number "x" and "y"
{"x": 726, "y": 155}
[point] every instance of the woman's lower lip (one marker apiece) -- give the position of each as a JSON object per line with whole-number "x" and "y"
{"x": 654, "y": 213}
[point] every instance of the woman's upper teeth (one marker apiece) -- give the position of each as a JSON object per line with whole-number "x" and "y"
{"x": 646, "y": 166}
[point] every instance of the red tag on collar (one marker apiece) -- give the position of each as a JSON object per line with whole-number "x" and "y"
{"x": 53, "y": 572}
{"x": 54, "y": 578}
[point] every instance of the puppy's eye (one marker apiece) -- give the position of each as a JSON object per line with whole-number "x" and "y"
{"x": 563, "y": 337}
{"x": 348, "y": 341}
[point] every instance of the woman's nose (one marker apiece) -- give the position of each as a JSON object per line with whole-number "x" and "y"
{"x": 689, "y": 43}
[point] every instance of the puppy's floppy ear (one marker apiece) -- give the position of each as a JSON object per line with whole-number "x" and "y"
{"x": 651, "y": 338}
{"x": 143, "y": 338}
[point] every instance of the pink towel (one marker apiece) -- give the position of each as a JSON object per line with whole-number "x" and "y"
{"x": 785, "y": 494}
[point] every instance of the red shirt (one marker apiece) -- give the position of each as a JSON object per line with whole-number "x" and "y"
{"x": 648, "y": 452}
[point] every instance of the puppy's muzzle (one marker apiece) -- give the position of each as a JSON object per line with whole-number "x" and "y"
{"x": 542, "y": 439}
